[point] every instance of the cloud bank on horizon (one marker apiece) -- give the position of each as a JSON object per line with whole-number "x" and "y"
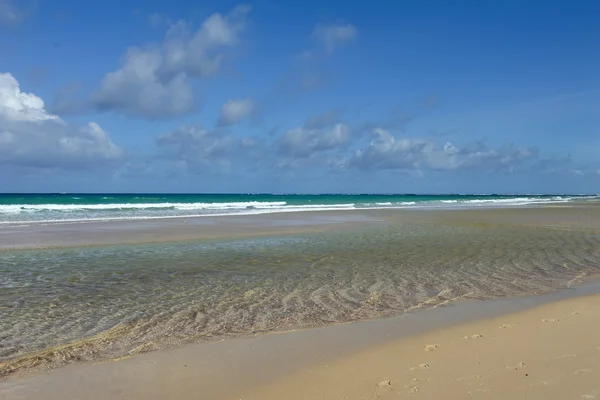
{"x": 242, "y": 100}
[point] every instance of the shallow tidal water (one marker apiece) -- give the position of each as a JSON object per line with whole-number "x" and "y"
{"x": 95, "y": 303}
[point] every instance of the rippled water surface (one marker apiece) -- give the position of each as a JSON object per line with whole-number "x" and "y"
{"x": 103, "y": 302}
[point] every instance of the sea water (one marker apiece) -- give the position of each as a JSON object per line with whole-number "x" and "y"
{"x": 27, "y": 208}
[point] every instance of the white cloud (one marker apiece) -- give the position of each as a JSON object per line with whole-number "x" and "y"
{"x": 333, "y": 36}
{"x": 303, "y": 142}
{"x": 153, "y": 81}
{"x": 31, "y": 136}
{"x": 234, "y": 111}
{"x": 332, "y": 146}
{"x": 137, "y": 88}
{"x": 324, "y": 144}
{"x": 193, "y": 148}
{"x": 19, "y": 106}
{"x": 197, "y": 148}
{"x": 388, "y": 152}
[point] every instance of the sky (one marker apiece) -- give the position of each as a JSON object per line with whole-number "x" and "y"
{"x": 300, "y": 96}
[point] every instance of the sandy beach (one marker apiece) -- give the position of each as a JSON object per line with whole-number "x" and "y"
{"x": 488, "y": 350}
{"x": 550, "y": 352}
{"x": 161, "y": 230}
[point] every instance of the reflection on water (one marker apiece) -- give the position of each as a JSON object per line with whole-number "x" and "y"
{"x": 96, "y": 303}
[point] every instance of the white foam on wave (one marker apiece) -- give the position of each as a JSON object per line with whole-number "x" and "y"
{"x": 247, "y": 211}
{"x": 29, "y": 208}
{"x": 21, "y": 214}
{"x": 519, "y": 200}
{"x": 388, "y": 204}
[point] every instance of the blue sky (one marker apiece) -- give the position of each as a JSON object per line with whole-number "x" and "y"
{"x": 296, "y": 96}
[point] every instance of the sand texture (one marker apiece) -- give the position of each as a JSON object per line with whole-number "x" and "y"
{"x": 550, "y": 352}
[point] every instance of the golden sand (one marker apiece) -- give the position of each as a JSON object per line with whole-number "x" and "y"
{"x": 550, "y": 352}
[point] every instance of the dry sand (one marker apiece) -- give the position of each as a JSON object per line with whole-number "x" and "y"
{"x": 550, "y": 352}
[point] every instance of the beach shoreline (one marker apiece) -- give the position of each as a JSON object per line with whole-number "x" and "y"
{"x": 177, "y": 229}
{"x": 457, "y": 350}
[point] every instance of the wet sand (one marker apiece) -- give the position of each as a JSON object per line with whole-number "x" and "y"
{"x": 582, "y": 215}
{"x": 541, "y": 347}
{"x": 102, "y": 233}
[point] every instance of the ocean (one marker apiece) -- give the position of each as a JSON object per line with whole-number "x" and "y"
{"x": 28, "y": 208}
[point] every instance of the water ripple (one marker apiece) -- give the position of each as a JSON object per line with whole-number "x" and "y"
{"x": 62, "y": 305}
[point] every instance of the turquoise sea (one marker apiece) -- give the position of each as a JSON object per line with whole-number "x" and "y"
{"x": 25, "y": 208}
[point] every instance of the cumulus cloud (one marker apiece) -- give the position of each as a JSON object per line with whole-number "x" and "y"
{"x": 334, "y": 36}
{"x": 320, "y": 141}
{"x": 154, "y": 81}
{"x": 304, "y": 142}
{"x": 388, "y": 152}
{"x": 31, "y": 136}
{"x": 137, "y": 89}
{"x": 323, "y": 144}
{"x": 194, "y": 147}
{"x": 234, "y": 111}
